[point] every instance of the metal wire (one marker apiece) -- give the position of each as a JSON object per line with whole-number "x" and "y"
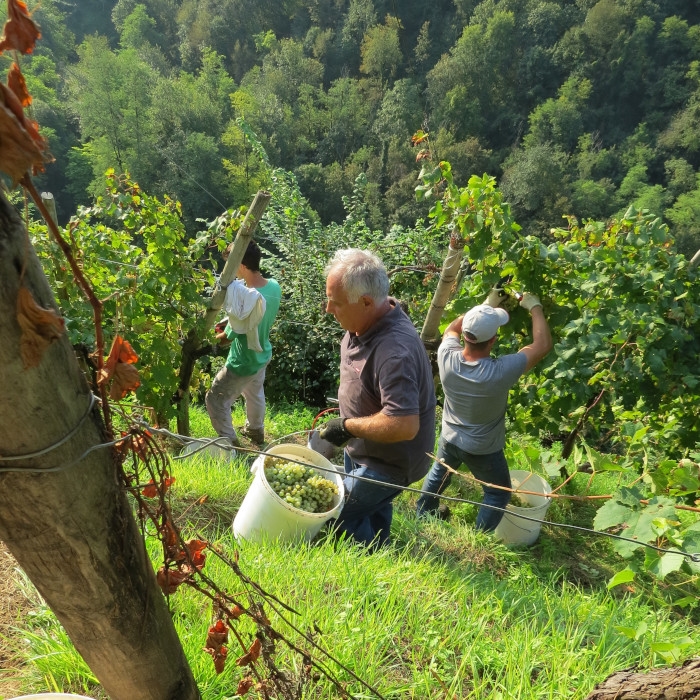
{"x": 224, "y": 443}
{"x": 55, "y": 445}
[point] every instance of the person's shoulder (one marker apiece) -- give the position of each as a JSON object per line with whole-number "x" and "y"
{"x": 272, "y": 287}
{"x": 516, "y": 360}
{"x": 450, "y": 342}
{"x": 449, "y": 346}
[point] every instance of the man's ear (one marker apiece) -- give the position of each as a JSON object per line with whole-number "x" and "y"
{"x": 367, "y": 301}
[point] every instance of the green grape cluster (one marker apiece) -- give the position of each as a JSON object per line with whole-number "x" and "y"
{"x": 300, "y": 486}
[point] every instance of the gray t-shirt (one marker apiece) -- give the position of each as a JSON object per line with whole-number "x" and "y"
{"x": 387, "y": 369}
{"x": 476, "y": 396}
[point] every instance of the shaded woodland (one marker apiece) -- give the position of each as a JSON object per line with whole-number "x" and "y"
{"x": 580, "y": 108}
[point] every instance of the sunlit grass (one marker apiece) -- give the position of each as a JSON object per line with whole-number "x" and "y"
{"x": 445, "y": 612}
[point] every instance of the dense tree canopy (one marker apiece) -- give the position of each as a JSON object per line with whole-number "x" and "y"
{"x": 576, "y": 108}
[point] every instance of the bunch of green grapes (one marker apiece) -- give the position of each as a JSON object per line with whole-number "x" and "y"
{"x": 300, "y": 486}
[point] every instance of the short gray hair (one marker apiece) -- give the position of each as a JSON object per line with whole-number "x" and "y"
{"x": 362, "y": 273}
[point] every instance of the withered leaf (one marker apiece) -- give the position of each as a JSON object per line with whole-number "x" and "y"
{"x": 244, "y": 685}
{"x": 40, "y": 327}
{"x": 170, "y": 579}
{"x": 16, "y": 83}
{"x": 219, "y": 657}
{"x": 252, "y": 655}
{"x": 121, "y": 351}
{"x": 20, "y": 32}
{"x": 150, "y": 490}
{"x": 23, "y": 148}
{"x": 127, "y": 354}
{"x": 138, "y": 444}
{"x": 126, "y": 379}
{"x": 196, "y": 552}
{"x": 168, "y": 534}
{"x": 217, "y": 635}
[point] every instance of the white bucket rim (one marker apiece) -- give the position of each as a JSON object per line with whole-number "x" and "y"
{"x": 291, "y": 449}
{"x": 519, "y": 479}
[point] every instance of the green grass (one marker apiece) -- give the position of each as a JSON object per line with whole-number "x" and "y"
{"x": 445, "y": 612}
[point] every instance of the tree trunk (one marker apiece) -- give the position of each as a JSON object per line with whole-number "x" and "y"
{"x": 678, "y": 683}
{"x": 448, "y": 275}
{"x": 63, "y": 514}
{"x": 194, "y": 340}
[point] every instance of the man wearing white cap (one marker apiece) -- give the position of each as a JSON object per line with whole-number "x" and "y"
{"x": 476, "y": 388}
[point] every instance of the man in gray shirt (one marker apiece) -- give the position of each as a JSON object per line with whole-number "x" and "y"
{"x": 386, "y": 395}
{"x": 476, "y": 388}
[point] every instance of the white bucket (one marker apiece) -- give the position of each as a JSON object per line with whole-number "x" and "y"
{"x": 516, "y": 530}
{"x": 264, "y": 514}
{"x": 209, "y": 448}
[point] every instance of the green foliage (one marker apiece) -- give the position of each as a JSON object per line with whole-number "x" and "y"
{"x": 624, "y": 311}
{"x": 149, "y": 274}
{"x": 380, "y": 50}
{"x": 528, "y": 82}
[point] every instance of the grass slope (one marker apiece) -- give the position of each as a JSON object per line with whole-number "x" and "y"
{"x": 445, "y": 612}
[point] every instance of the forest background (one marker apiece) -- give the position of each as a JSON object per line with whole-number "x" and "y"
{"x": 578, "y": 108}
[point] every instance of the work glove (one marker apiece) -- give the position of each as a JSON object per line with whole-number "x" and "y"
{"x": 334, "y": 432}
{"x": 530, "y": 301}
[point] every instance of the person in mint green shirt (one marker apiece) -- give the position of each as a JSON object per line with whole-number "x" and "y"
{"x": 244, "y": 371}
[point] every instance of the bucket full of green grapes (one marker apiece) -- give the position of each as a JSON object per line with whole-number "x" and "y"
{"x": 295, "y": 491}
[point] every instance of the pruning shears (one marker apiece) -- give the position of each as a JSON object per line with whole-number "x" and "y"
{"x": 505, "y": 280}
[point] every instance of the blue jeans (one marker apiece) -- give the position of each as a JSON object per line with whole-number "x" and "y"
{"x": 367, "y": 513}
{"x": 491, "y": 468}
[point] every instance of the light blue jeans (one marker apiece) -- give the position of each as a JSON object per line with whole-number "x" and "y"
{"x": 368, "y": 509}
{"x": 491, "y": 468}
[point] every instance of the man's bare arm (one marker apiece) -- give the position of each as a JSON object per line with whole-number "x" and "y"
{"x": 541, "y": 339}
{"x": 382, "y": 428}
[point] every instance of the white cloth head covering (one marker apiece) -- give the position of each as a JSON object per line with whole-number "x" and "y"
{"x": 245, "y": 308}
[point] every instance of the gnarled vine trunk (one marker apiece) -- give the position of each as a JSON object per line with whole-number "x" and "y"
{"x": 63, "y": 514}
{"x": 677, "y": 683}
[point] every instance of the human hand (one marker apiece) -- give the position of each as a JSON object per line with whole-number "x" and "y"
{"x": 334, "y": 432}
{"x": 530, "y": 301}
{"x": 496, "y": 297}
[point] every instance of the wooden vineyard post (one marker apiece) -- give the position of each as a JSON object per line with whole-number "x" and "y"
{"x": 64, "y": 515}
{"x": 444, "y": 291}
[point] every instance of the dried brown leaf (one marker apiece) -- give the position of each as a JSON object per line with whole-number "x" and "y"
{"x": 16, "y": 83}
{"x": 252, "y": 655}
{"x": 20, "y": 32}
{"x": 125, "y": 379}
{"x": 40, "y": 327}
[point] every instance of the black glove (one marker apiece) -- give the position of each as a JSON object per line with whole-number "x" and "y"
{"x": 334, "y": 432}
{"x": 497, "y": 295}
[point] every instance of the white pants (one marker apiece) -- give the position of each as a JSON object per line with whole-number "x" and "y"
{"x": 225, "y": 389}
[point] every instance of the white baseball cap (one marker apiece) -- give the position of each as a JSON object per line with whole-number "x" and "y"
{"x": 482, "y": 323}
